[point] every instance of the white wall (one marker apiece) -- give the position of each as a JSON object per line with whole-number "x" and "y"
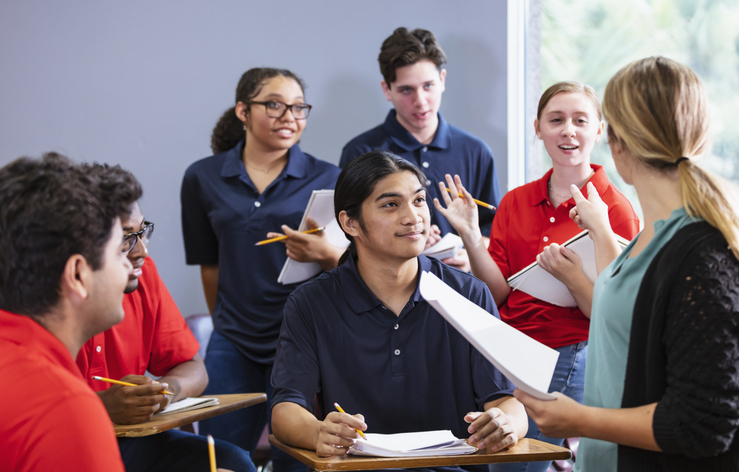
{"x": 142, "y": 83}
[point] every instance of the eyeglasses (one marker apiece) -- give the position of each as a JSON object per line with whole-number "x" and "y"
{"x": 277, "y": 109}
{"x": 129, "y": 240}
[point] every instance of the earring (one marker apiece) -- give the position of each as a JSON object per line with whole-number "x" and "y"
{"x": 538, "y": 136}
{"x": 244, "y": 127}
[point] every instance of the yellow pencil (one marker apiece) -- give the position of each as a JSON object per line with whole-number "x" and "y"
{"x": 284, "y": 237}
{"x": 125, "y": 384}
{"x": 341, "y": 410}
{"x": 212, "y": 453}
{"x": 479, "y": 202}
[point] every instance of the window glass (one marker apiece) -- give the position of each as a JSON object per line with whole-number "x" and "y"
{"x": 590, "y": 40}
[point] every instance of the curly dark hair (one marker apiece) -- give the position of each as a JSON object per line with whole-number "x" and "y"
{"x": 230, "y": 130}
{"x": 357, "y": 182}
{"x": 404, "y": 48}
{"x": 51, "y": 209}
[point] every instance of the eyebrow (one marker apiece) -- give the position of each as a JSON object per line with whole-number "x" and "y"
{"x": 576, "y": 113}
{"x": 396, "y": 194}
{"x": 131, "y": 229}
{"x": 277, "y": 96}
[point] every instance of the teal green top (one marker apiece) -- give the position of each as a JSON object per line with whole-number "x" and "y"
{"x": 614, "y": 297}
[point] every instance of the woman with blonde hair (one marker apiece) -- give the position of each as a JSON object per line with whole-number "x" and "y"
{"x": 661, "y": 384}
{"x": 530, "y": 224}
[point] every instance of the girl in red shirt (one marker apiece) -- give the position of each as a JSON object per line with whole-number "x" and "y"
{"x": 531, "y": 223}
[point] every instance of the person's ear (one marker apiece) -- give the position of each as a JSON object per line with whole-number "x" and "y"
{"x": 76, "y": 278}
{"x": 442, "y": 79}
{"x": 601, "y": 130}
{"x": 386, "y": 91}
{"x": 349, "y": 225}
{"x": 536, "y": 128}
{"x": 242, "y": 112}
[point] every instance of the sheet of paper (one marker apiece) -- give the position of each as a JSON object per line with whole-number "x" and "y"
{"x": 187, "y": 404}
{"x": 321, "y": 210}
{"x": 527, "y": 363}
{"x": 539, "y": 283}
{"x": 446, "y": 247}
{"x": 423, "y": 443}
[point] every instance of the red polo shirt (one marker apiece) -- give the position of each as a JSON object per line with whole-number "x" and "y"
{"x": 50, "y": 420}
{"x": 153, "y": 336}
{"x": 527, "y": 222}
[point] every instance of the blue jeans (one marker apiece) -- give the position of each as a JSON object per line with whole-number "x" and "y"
{"x": 178, "y": 451}
{"x": 229, "y": 371}
{"x": 569, "y": 379}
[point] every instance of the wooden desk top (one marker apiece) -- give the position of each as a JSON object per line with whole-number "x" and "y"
{"x": 157, "y": 424}
{"x": 525, "y": 451}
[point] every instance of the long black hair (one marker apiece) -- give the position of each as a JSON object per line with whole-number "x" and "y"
{"x": 357, "y": 182}
{"x": 230, "y": 130}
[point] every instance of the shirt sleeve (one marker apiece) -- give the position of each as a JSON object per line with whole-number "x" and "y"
{"x": 697, "y": 415}
{"x": 201, "y": 243}
{"x": 76, "y": 435}
{"x": 173, "y": 341}
{"x": 296, "y": 372}
{"x": 498, "y": 248}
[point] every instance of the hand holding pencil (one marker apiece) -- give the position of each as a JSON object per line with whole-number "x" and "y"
{"x": 135, "y": 401}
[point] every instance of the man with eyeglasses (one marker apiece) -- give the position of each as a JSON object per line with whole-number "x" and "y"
{"x": 153, "y": 336}
{"x": 411, "y": 63}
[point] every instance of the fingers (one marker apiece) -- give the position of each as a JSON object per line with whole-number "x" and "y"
{"x": 593, "y": 195}
{"x": 491, "y": 429}
{"x": 577, "y": 194}
{"x": 338, "y": 432}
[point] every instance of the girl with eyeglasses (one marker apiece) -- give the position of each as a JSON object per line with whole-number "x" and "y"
{"x": 258, "y": 182}
{"x": 531, "y": 223}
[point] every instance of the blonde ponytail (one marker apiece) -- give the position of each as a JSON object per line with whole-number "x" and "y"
{"x": 660, "y": 112}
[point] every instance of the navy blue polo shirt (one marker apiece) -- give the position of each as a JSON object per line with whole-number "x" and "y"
{"x": 412, "y": 372}
{"x": 452, "y": 151}
{"x": 223, "y": 216}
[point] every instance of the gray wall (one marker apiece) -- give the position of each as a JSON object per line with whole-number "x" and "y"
{"x": 142, "y": 83}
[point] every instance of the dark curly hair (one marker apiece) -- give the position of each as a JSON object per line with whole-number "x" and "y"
{"x": 404, "y": 48}
{"x": 230, "y": 130}
{"x": 357, "y": 182}
{"x": 51, "y": 209}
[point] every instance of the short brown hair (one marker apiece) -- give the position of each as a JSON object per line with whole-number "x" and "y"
{"x": 404, "y": 48}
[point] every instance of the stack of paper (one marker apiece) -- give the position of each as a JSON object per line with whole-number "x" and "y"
{"x": 321, "y": 210}
{"x": 448, "y": 246}
{"x": 527, "y": 363}
{"x": 424, "y": 443}
{"x": 187, "y": 404}
{"x": 539, "y": 283}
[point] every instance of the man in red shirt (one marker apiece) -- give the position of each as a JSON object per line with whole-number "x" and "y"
{"x": 62, "y": 275}
{"x": 153, "y": 336}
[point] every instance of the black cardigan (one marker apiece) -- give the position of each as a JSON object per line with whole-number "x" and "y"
{"x": 684, "y": 354}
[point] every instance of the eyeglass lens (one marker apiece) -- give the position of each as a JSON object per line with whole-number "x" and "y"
{"x": 129, "y": 240}
{"x": 275, "y": 109}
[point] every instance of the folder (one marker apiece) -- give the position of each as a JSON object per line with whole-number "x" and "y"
{"x": 321, "y": 210}
{"x": 417, "y": 444}
{"x": 540, "y": 284}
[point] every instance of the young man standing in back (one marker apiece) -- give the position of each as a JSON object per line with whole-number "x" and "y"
{"x": 414, "y": 80}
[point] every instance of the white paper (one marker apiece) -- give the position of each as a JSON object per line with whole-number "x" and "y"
{"x": 187, "y": 404}
{"x": 539, "y": 283}
{"x": 527, "y": 363}
{"x": 448, "y": 246}
{"x": 321, "y": 210}
{"x": 423, "y": 443}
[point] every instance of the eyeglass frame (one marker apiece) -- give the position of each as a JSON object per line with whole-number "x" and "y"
{"x": 138, "y": 235}
{"x": 287, "y": 107}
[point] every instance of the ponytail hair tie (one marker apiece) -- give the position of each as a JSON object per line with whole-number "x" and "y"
{"x": 680, "y": 159}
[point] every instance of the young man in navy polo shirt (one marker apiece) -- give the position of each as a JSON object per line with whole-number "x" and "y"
{"x": 362, "y": 336}
{"x": 413, "y": 80}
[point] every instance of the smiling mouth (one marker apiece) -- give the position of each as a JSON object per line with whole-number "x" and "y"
{"x": 569, "y": 148}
